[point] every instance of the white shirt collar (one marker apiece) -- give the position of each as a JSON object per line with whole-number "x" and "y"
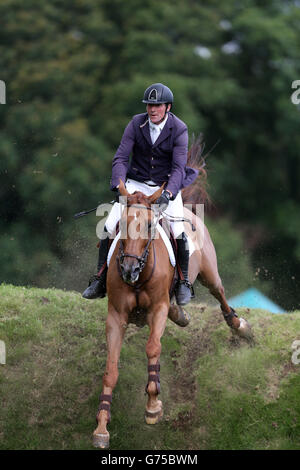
{"x": 159, "y": 126}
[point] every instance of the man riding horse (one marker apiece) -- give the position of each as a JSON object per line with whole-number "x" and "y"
{"x": 158, "y": 143}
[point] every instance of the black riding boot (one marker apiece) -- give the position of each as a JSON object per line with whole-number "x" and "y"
{"x": 183, "y": 288}
{"x": 97, "y": 284}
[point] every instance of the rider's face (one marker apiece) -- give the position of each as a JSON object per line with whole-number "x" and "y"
{"x": 156, "y": 112}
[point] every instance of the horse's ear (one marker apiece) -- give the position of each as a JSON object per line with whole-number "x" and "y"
{"x": 122, "y": 190}
{"x": 157, "y": 194}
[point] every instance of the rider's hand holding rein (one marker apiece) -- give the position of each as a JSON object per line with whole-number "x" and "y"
{"x": 163, "y": 201}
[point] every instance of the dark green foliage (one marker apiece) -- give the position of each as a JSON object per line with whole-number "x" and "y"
{"x": 75, "y": 72}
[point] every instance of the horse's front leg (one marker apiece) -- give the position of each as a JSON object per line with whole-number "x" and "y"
{"x": 157, "y": 323}
{"x": 116, "y": 325}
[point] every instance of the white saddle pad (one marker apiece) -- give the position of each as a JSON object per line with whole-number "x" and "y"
{"x": 166, "y": 241}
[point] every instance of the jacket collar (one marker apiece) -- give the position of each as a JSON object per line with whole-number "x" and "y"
{"x": 146, "y": 130}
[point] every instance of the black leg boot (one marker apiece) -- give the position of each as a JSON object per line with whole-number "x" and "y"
{"x": 97, "y": 284}
{"x": 183, "y": 288}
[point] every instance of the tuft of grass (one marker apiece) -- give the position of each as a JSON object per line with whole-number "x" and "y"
{"x": 218, "y": 391}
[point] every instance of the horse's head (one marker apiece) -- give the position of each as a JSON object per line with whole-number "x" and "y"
{"x": 137, "y": 231}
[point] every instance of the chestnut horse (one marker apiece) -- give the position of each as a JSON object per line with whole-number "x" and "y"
{"x": 139, "y": 279}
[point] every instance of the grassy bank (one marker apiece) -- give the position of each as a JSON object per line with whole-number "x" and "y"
{"x": 218, "y": 392}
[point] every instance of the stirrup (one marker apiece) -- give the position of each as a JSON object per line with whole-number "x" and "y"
{"x": 189, "y": 285}
{"x": 93, "y": 278}
{"x": 183, "y": 292}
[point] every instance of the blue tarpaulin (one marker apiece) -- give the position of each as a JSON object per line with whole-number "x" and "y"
{"x": 252, "y": 298}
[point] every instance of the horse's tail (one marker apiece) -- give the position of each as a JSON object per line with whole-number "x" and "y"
{"x": 196, "y": 193}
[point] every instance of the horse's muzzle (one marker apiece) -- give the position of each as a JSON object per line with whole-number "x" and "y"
{"x": 130, "y": 272}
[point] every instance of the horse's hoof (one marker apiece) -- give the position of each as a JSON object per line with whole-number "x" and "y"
{"x": 154, "y": 417}
{"x": 101, "y": 441}
{"x": 244, "y": 330}
{"x": 179, "y": 316}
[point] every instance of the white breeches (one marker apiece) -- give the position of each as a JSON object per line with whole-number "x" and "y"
{"x": 174, "y": 209}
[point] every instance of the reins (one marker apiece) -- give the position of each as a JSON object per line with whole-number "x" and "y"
{"x": 172, "y": 218}
{"x": 142, "y": 260}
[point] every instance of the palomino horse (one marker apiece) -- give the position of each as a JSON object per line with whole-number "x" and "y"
{"x": 139, "y": 279}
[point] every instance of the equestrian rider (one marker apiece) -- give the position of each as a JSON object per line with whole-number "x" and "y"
{"x": 158, "y": 143}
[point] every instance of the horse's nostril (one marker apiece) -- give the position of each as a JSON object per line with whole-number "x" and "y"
{"x": 130, "y": 272}
{"x": 136, "y": 270}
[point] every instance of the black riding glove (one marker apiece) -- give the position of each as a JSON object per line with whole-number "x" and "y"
{"x": 118, "y": 195}
{"x": 163, "y": 201}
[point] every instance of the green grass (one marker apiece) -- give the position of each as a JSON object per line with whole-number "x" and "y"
{"x": 218, "y": 392}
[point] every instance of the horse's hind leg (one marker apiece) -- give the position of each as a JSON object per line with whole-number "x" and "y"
{"x": 208, "y": 275}
{"x": 211, "y": 279}
{"x": 203, "y": 265}
{"x": 157, "y": 323}
{"x": 116, "y": 325}
{"x": 218, "y": 291}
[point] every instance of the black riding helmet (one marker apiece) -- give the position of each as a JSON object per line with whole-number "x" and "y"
{"x": 158, "y": 94}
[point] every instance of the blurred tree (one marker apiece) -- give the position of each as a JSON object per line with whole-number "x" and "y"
{"x": 75, "y": 73}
